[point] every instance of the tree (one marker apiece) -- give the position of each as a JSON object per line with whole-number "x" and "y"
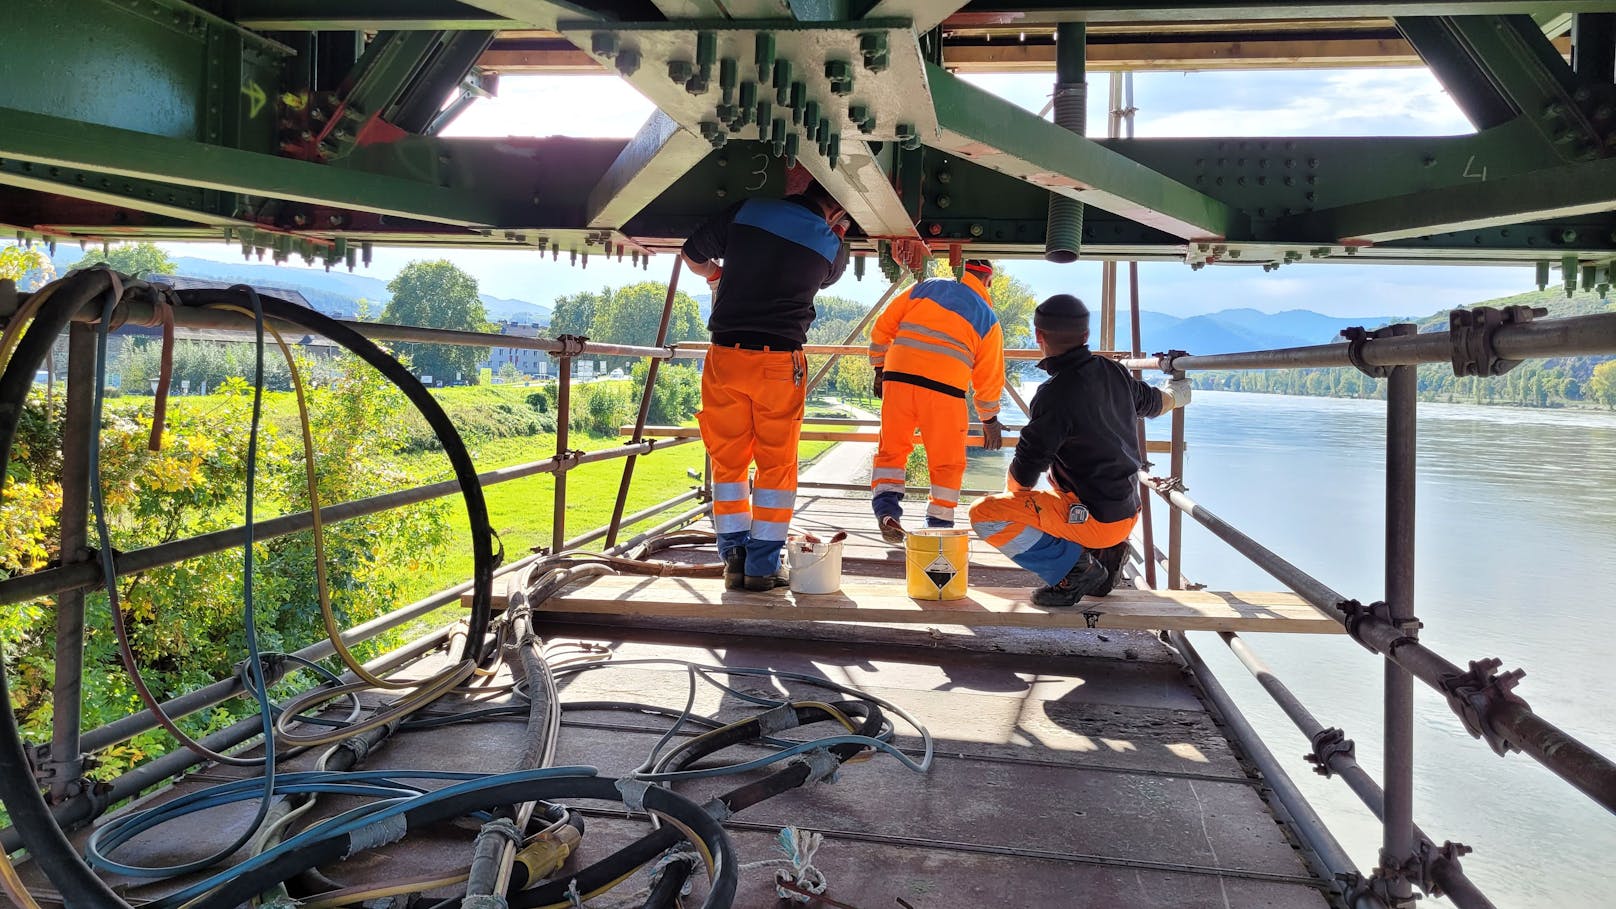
{"x": 509, "y": 374}
{"x": 855, "y": 377}
{"x": 1602, "y": 387}
{"x": 631, "y": 316}
{"x": 17, "y": 261}
{"x": 133, "y": 259}
{"x": 438, "y": 295}
{"x": 573, "y": 314}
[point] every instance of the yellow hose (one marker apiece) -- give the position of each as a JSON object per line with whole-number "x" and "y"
{"x": 11, "y": 882}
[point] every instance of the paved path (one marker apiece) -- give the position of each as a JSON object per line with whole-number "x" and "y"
{"x": 844, "y": 462}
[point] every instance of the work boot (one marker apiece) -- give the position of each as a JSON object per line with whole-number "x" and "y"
{"x": 764, "y": 582}
{"x": 1111, "y": 558}
{"x": 735, "y": 569}
{"x": 891, "y": 530}
{"x": 1086, "y": 577}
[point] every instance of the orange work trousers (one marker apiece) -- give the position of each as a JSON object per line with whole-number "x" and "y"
{"x": 751, "y": 412}
{"x": 1033, "y": 528}
{"x": 942, "y": 420}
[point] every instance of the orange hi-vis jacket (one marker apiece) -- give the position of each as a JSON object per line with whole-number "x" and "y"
{"x": 942, "y": 334}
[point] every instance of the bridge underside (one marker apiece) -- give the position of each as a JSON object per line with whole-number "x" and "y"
{"x": 302, "y": 128}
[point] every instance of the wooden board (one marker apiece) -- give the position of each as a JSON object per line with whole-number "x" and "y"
{"x": 1181, "y": 610}
{"x": 1010, "y": 437}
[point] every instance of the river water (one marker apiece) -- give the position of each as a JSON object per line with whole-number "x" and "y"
{"x": 1516, "y": 559}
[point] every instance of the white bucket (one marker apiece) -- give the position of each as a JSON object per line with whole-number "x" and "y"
{"x": 816, "y": 565}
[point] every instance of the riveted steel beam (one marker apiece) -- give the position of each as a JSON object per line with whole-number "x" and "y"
{"x": 367, "y": 15}
{"x": 994, "y": 133}
{"x": 1561, "y": 192}
{"x": 658, "y": 155}
{"x": 926, "y": 14}
{"x": 534, "y": 13}
{"x": 1233, "y": 10}
{"x": 54, "y": 141}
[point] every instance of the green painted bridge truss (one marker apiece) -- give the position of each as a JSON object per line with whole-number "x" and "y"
{"x": 310, "y": 127}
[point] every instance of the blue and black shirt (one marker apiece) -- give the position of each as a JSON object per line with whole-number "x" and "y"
{"x": 777, "y": 253}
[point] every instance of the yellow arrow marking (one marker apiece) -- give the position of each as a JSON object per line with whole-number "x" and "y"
{"x": 256, "y": 95}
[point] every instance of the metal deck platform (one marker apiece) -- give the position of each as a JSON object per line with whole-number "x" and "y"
{"x": 1074, "y": 767}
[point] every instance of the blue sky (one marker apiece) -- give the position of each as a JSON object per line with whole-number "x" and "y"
{"x": 1389, "y": 102}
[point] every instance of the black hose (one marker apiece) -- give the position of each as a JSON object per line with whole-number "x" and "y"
{"x": 670, "y": 882}
{"x": 482, "y": 534}
{"x": 658, "y": 841}
{"x": 78, "y": 885}
{"x": 721, "y": 895}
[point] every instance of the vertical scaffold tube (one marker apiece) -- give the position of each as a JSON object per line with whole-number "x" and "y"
{"x": 1063, "y": 235}
{"x": 1397, "y": 845}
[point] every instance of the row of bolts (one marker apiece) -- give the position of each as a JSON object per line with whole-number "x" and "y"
{"x": 739, "y": 105}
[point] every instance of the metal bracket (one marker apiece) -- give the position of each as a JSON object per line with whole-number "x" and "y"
{"x": 1357, "y": 336}
{"x": 568, "y": 460}
{"x": 571, "y": 346}
{"x": 1357, "y": 613}
{"x": 1326, "y": 745}
{"x": 1475, "y": 694}
{"x": 1471, "y": 331}
{"x": 1381, "y": 883}
{"x": 1091, "y": 618}
{"x": 1431, "y": 855}
{"x": 1165, "y": 360}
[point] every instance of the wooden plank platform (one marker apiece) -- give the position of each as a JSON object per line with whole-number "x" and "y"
{"x": 1177, "y": 610}
{"x": 1010, "y": 436}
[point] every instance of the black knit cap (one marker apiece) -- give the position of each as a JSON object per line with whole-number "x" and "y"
{"x": 1062, "y": 313}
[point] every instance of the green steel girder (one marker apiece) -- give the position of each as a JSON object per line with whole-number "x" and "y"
{"x": 534, "y": 13}
{"x": 447, "y": 67}
{"x": 389, "y": 65}
{"x": 162, "y": 67}
{"x": 1234, "y": 10}
{"x": 926, "y": 14}
{"x": 367, "y": 15}
{"x": 1568, "y": 191}
{"x": 59, "y": 142}
{"x": 658, "y": 156}
{"x": 168, "y": 200}
{"x": 999, "y": 135}
{"x": 1501, "y": 67}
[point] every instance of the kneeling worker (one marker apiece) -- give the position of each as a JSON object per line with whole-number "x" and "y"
{"x": 935, "y": 340}
{"x": 777, "y": 254}
{"x": 1082, "y": 430}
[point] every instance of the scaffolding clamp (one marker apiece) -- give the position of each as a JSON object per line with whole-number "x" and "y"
{"x": 1328, "y": 743}
{"x": 1431, "y": 856}
{"x": 1165, "y": 361}
{"x": 1357, "y": 336}
{"x": 1357, "y": 613}
{"x": 1471, "y": 331}
{"x": 571, "y": 346}
{"x": 1475, "y": 695}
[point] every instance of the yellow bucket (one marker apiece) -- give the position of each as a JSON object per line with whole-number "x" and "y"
{"x": 938, "y": 563}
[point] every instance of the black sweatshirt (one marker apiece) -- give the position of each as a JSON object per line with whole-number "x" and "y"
{"x": 1082, "y": 430}
{"x": 778, "y": 253}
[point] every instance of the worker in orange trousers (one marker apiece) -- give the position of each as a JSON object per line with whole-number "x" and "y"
{"x": 935, "y": 341}
{"x": 1082, "y": 430}
{"x": 776, "y": 255}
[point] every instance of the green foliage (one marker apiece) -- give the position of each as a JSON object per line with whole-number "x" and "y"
{"x": 208, "y": 364}
{"x": 601, "y": 408}
{"x": 508, "y": 373}
{"x": 185, "y": 619}
{"x": 438, "y": 295}
{"x": 575, "y": 314}
{"x": 481, "y": 413}
{"x": 855, "y": 377}
{"x": 676, "y": 396}
{"x": 17, "y": 262}
{"x": 1602, "y": 386}
{"x": 139, "y": 259}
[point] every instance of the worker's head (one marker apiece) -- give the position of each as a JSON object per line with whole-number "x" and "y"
{"x": 1061, "y": 323}
{"x": 821, "y": 197}
{"x": 981, "y": 269}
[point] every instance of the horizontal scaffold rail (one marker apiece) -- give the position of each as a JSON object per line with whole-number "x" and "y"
{"x": 973, "y": 440}
{"x": 1571, "y": 337}
{"x": 79, "y": 575}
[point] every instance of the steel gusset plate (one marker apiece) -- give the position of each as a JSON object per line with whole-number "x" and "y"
{"x": 651, "y": 55}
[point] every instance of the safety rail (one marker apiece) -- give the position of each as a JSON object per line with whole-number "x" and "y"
{"x": 1478, "y": 342}
{"x": 63, "y": 760}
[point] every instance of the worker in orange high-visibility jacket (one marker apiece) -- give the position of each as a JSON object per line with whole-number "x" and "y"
{"x": 935, "y": 341}
{"x": 777, "y": 254}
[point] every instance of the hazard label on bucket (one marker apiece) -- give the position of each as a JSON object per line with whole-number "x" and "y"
{"x": 941, "y": 571}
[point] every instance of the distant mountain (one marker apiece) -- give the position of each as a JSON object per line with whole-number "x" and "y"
{"x": 1232, "y": 330}
{"x": 335, "y": 292}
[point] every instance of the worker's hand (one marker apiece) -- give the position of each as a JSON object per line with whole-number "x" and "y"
{"x": 992, "y": 435}
{"x": 1180, "y": 390}
{"x": 877, "y": 385}
{"x": 841, "y": 226}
